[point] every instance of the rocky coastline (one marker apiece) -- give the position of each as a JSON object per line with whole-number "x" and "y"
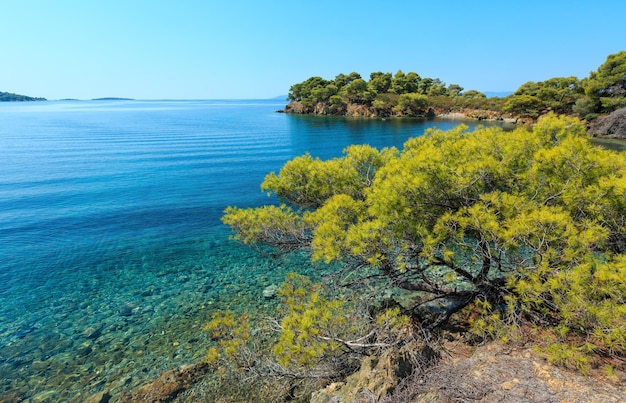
{"x": 362, "y": 111}
{"x": 612, "y": 126}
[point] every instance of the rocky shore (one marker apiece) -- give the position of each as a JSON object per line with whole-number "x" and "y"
{"x": 363, "y": 111}
{"x": 486, "y": 373}
{"x": 612, "y": 126}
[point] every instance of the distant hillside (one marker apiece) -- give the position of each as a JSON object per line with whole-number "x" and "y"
{"x": 9, "y": 97}
{"x": 112, "y": 99}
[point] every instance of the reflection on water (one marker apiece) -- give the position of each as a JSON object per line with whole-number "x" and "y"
{"x": 610, "y": 144}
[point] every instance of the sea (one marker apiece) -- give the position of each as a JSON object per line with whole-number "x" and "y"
{"x": 112, "y": 253}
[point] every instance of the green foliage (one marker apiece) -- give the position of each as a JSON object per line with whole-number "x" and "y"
{"x": 315, "y": 327}
{"x": 380, "y": 92}
{"x": 526, "y": 225}
{"x": 380, "y": 82}
{"x": 303, "y": 91}
{"x": 602, "y": 92}
{"x": 309, "y": 324}
{"x": 569, "y": 356}
{"x": 533, "y": 99}
{"x": 411, "y": 105}
{"x": 270, "y": 225}
{"x": 314, "y": 334}
{"x": 10, "y": 97}
{"x": 607, "y": 85}
{"x": 357, "y": 91}
{"x": 585, "y": 107}
{"x": 230, "y": 333}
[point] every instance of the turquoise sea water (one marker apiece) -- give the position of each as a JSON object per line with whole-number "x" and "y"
{"x": 112, "y": 253}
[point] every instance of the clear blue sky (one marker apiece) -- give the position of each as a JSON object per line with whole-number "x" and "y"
{"x": 209, "y": 49}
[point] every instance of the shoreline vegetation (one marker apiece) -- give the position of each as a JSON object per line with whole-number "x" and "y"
{"x": 10, "y": 97}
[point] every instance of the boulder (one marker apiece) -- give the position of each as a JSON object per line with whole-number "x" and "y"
{"x": 611, "y": 126}
{"x": 168, "y": 385}
{"x": 378, "y": 376}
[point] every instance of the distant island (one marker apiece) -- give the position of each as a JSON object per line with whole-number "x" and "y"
{"x": 10, "y": 97}
{"x": 112, "y": 99}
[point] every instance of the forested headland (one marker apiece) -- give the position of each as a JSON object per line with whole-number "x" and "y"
{"x": 10, "y": 97}
{"x": 410, "y": 95}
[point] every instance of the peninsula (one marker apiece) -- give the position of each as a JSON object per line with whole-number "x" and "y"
{"x": 411, "y": 95}
{"x": 10, "y": 97}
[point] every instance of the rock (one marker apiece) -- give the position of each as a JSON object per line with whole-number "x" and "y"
{"x": 45, "y": 396}
{"x": 127, "y": 309}
{"x": 377, "y": 375}
{"x": 497, "y": 373}
{"x": 508, "y": 385}
{"x": 270, "y": 291}
{"x": 84, "y": 350}
{"x": 102, "y": 397}
{"x": 168, "y": 385}
{"x": 92, "y": 333}
{"x": 611, "y": 126}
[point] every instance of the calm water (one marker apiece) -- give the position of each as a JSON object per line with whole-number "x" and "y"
{"x": 112, "y": 254}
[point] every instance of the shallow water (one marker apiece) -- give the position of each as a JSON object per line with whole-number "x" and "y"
{"x": 112, "y": 253}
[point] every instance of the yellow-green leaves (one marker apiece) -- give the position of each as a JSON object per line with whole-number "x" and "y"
{"x": 333, "y": 221}
{"x": 274, "y": 225}
{"x": 308, "y": 182}
{"x": 309, "y": 325}
{"x": 230, "y": 333}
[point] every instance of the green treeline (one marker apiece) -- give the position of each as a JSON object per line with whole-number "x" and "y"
{"x": 9, "y": 97}
{"x": 409, "y": 94}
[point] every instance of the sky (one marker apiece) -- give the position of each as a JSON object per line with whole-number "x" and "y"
{"x": 257, "y": 49}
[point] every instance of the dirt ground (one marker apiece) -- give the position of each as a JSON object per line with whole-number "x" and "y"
{"x": 493, "y": 373}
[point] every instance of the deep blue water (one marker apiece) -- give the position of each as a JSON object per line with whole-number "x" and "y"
{"x": 112, "y": 253}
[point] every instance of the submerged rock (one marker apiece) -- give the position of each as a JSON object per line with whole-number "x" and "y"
{"x": 270, "y": 291}
{"x": 168, "y": 385}
{"x": 102, "y": 397}
{"x": 127, "y": 309}
{"x": 92, "y": 332}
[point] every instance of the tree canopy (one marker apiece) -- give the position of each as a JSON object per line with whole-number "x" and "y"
{"x": 606, "y": 87}
{"x": 521, "y": 226}
{"x": 556, "y": 94}
{"x": 384, "y": 94}
{"x": 399, "y": 94}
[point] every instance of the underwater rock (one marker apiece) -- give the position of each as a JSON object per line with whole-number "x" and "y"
{"x": 127, "y": 309}
{"x": 84, "y": 350}
{"x": 102, "y": 397}
{"x": 92, "y": 333}
{"x": 45, "y": 396}
{"x": 270, "y": 291}
{"x": 168, "y": 385}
